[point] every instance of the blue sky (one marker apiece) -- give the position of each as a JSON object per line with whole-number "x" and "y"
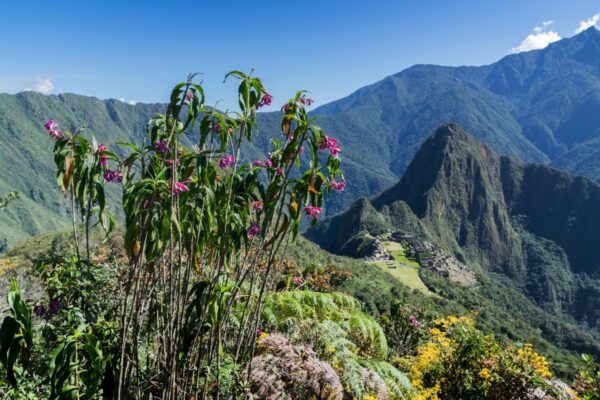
{"x": 137, "y": 50}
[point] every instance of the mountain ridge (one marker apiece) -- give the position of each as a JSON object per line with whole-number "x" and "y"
{"x": 536, "y": 225}
{"x": 539, "y": 106}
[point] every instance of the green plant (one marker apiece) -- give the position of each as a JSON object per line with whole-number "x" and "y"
{"x": 16, "y": 335}
{"x": 198, "y": 220}
{"x": 404, "y": 328}
{"x": 457, "y": 361}
{"x": 587, "y": 382}
{"x": 78, "y": 366}
{"x": 8, "y": 198}
{"x": 353, "y": 342}
{"x": 82, "y": 169}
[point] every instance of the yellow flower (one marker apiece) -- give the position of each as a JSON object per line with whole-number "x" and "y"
{"x": 485, "y": 374}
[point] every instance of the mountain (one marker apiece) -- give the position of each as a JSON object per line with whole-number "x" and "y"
{"x": 533, "y": 226}
{"x": 26, "y": 153}
{"x": 539, "y": 106}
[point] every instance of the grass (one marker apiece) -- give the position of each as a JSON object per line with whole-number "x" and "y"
{"x": 405, "y": 274}
{"x": 398, "y": 252}
{"x": 404, "y": 269}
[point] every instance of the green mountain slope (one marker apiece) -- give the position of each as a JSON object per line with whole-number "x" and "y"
{"x": 26, "y": 159}
{"x": 535, "y": 226}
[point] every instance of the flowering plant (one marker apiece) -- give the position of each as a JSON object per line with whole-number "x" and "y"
{"x": 199, "y": 219}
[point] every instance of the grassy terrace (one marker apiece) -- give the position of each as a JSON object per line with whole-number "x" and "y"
{"x": 404, "y": 269}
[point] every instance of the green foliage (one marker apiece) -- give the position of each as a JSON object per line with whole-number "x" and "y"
{"x": 8, "y": 198}
{"x": 404, "y": 328}
{"x": 78, "y": 366}
{"x": 16, "y": 335}
{"x": 587, "y": 382}
{"x": 350, "y": 340}
{"x": 457, "y": 361}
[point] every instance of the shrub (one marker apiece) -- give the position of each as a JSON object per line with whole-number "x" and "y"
{"x": 460, "y": 362}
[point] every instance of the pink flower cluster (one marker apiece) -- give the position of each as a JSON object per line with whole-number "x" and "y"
{"x": 257, "y": 205}
{"x": 298, "y": 280}
{"x": 161, "y": 146}
{"x": 113, "y": 176}
{"x": 339, "y": 186}
{"x": 189, "y": 96}
{"x": 179, "y": 188}
{"x": 253, "y": 230}
{"x": 313, "y": 211}
{"x": 331, "y": 145}
{"x": 414, "y": 321}
{"x": 53, "y": 131}
{"x": 265, "y": 100}
{"x": 101, "y": 156}
{"x": 307, "y": 101}
{"x": 267, "y": 163}
{"x": 226, "y": 161}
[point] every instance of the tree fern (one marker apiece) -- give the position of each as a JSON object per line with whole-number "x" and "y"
{"x": 398, "y": 384}
{"x": 352, "y": 341}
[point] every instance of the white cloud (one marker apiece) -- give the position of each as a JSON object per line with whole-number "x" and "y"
{"x": 41, "y": 85}
{"x": 541, "y": 37}
{"x": 130, "y": 102}
{"x": 587, "y": 23}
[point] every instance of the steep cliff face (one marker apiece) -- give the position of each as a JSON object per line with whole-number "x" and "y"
{"x": 538, "y": 226}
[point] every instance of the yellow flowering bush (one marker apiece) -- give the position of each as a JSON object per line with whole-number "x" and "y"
{"x": 458, "y": 361}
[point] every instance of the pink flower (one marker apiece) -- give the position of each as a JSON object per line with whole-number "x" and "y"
{"x": 146, "y": 203}
{"x": 305, "y": 100}
{"x": 414, "y": 321}
{"x": 229, "y": 131}
{"x": 257, "y": 163}
{"x": 339, "y": 186}
{"x": 279, "y": 171}
{"x": 313, "y": 211}
{"x": 331, "y": 145}
{"x": 103, "y": 160}
{"x": 113, "y": 176}
{"x": 217, "y": 127}
{"x": 301, "y": 150}
{"x": 226, "y": 161}
{"x": 265, "y": 100}
{"x": 169, "y": 162}
{"x": 51, "y": 125}
{"x": 56, "y": 134}
{"x": 268, "y": 163}
{"x": 102, "y": 148}
{"x": 161, "y": 146}
{"x": 285, "y": 108}
{"x": 253, "y": 230}
{"x": 298, "y": 280}
{"x": 257, "y": 205}
{"x": 189, "y": 96}
{"x": 335, "y": 150}
{"x": 178, "y": 188}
